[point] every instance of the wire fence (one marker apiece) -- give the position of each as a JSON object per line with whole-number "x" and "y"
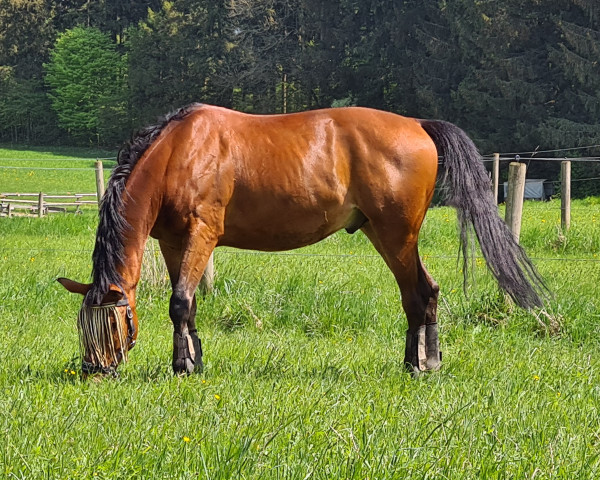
{"x": 503, "y": 157}
{"x": 337, "y": 256}
{"x": 506, "y": 157}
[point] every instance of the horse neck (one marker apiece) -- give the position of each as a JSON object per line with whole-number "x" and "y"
{"x": 140, "y": 207}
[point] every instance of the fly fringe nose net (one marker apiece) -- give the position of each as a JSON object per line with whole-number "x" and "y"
{"x": 96, "y": 336}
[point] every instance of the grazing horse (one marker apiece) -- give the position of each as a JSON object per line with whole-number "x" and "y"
{"x": 207, "y": 176}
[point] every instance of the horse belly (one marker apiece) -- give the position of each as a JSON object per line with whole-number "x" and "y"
{"x": 282, "y": 224}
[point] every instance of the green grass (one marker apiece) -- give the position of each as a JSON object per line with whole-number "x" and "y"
{"x": 304, "y": 374}
{"x": 56, "y": 171}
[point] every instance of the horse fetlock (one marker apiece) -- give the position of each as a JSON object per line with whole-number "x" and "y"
{"x": 187, "y": 353}
{"x": 422, "y": 351}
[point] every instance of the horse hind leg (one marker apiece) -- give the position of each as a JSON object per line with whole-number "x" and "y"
{"x": 422, "y": 350}
{"x": 419, "y": 293}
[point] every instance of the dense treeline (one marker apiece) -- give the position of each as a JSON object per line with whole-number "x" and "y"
{"x": 514, "y": 74}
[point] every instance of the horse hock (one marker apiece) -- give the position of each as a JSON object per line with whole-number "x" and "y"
{"x": 423, "y": 349}
{"x": 187, "y": 353}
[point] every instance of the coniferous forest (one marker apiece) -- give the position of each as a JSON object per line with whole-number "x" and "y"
{"x": 515, "y": 75}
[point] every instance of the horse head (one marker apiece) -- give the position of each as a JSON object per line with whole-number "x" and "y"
{"x": 107, "y": 330}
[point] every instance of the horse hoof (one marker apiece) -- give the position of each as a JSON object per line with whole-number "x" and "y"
{"x": 422, "y": 352}
{"x": 185, "y": 366}
{"x": 187, "y": 354}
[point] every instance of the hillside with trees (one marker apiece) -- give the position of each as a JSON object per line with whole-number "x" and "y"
{"x": 515, "y": 75}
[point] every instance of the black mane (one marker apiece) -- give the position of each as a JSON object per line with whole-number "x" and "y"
{"x": 108, "y": 252}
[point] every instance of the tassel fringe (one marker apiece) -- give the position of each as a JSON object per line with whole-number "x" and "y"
{"x": 96, "y": 340}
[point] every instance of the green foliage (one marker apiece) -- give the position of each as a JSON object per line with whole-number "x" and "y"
{"x": 25, "y": 113}
{"x": 516, "y": 75}
{"x": 85, "y": 75}
{"x": 172, "y": 59}
{"x": 576, "y": 107}
{"x": 26, "y": 32}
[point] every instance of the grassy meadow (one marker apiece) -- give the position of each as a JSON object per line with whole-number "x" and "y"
{"x": 303, "y": 352}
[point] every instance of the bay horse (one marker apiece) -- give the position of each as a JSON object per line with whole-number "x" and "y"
{"x": 206, "y": 176}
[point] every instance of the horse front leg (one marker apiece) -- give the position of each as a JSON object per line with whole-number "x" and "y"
{"x": 186, "y": 264}
{"x": 187, "y": 347}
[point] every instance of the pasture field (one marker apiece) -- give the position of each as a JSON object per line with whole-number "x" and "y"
{"x": 304, "y": 376}
{"x": 44, "y": 170}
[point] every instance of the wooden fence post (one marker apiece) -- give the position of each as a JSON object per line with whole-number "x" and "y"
{"x": 208, "y": 277}
{"x": 514, "y": 199}
{"x": 496, "y": 176}
{"x": 565, "y": 195}
{"x": 99, "y": 181}
{"x": 41, "y": 205}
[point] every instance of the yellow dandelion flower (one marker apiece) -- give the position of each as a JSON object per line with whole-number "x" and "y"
{"x": 558, "y": 394}
{"x": 186, "y": 439}
{"x": 203, "y": 381}
{"x": 536, "y": 378}
{"x": 217, "y": 397}
{"x": 72, "y": 372}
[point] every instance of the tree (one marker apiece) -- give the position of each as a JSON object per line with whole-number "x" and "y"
{"x": 173, "y": 57}
{"x": 574, "y": 112}
{"x": 110, "y": 16}
{"x": 575, "y": 108}
{"x": 26, "y": 33}
{"x": 25, "y": 114}
{"x": 85, "y": 74}
{"x": 502, "y": 98}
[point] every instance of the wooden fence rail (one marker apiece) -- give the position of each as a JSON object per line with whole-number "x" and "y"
{"x": 39, "y": 204}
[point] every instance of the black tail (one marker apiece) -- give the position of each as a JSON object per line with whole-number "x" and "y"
{"x": 467, "y": 188}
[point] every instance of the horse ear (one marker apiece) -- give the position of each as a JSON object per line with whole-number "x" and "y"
{"x": 75, "y": 287}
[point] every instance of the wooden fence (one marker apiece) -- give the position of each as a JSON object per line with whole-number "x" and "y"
{"x": 516, "y": 186}
{"x": 40, "y": 204}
